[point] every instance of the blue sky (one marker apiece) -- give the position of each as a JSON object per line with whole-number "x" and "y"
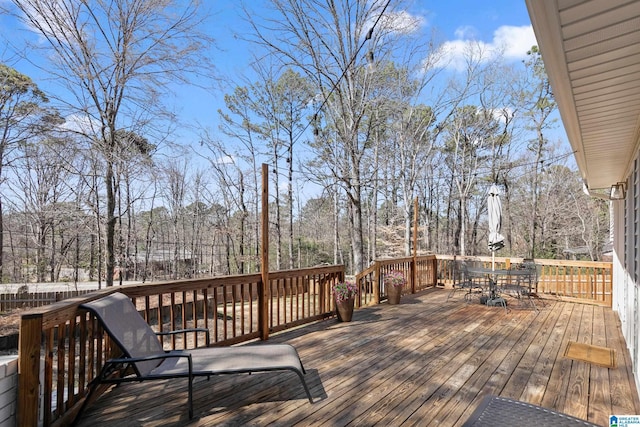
{"x": 457, "y": 22}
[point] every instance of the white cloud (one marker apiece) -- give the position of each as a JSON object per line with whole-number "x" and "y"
{"x": 82, "y": 124}
{"x": 466, "y": 32}
{"x": 402, "y": 22}
{"x": 516, "y": 41}
{"x": 225, "y": 160}
{"x": 512, "y": 42}
{"x": 457, "y": 53}
{"x": 502, "y": 114}
{"x": 56, "y": 19}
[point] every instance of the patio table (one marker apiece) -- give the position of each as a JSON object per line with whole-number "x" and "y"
{"x": 495, "y": 281}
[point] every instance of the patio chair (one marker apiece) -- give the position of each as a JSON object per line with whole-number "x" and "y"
{"x": 521, "y": 283}
{"x": 536, "y": 270}
{"x": 144, "y": 358}
{"x": 463, "y": 281}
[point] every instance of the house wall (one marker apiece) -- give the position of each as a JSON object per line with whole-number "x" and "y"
{"x": 626, "y": 265}
{"x": 8, "y": 390}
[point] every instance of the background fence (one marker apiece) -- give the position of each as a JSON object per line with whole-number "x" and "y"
{"x": 12, "y": 301}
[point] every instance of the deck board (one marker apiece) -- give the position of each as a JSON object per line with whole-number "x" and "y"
{"x": 427, "y": 361}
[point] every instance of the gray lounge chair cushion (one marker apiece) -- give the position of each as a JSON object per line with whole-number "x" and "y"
{"x": 136, "y": 339}
{"x": 228, "y": 360}
{"x": 131, "y": 332}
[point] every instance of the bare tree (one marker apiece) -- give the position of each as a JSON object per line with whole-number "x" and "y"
{"x": 21, "y": 110}
{"x": 323, "y": 39}
{"x": 115, "y": 58}
{"x": 238, "y": 123}
{"x": 267, "y": 116}
{"x": 468, "y": 149}
{"x": 290, "y": 98}
{"x": 541, "y": 105}
{"x": 132, "y": 159}
{"x": 41, "y": 184}
{"x": 238, "y": 191}
{"x": 175, "y": 176}
{"x": 471, "y": 135}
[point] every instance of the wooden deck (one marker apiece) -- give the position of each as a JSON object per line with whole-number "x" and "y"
{"x": 427, "y": 361}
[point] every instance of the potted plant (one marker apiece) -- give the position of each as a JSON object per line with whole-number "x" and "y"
{"x": 344, "y": 294}
{"x": 393, "y": 282}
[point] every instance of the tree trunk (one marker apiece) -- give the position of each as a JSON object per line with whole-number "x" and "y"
{"x": 17, "y": 264}
{"x": 40, "y": 261}
{"x": 111, "y": 224}
{"x": 534, "y": 213}
{"x": 130, "y": 230}
{"x": 407, "y": 230}
{"x": 52, "y": 258}
{"x": 278, "y": 219}
{"x": 76, "y": 262}
{"x": 336, "y": 232}
{"x": 290, "y": 201}
{"x": 357, "y": 243}
{"x": 1, "y": 240}
{"x": 462, "y": 224}
{"x": 92, "y": 257}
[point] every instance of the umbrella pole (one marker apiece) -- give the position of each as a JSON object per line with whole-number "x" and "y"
{"x": 492, "y": 282}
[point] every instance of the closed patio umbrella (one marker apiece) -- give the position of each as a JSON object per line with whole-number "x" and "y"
{"x": 496, "y": 240}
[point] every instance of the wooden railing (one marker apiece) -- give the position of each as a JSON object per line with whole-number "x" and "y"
{"x": 62, "y": 348}
{"x": 584, "y": 281}
{"x": 419, "y": 275}
{"x": 580, "y": 280}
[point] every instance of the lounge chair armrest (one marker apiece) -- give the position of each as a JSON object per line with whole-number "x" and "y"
{"x": 182, "y": 331}
{"x": 112, "y": 365}
{"x": 166, "y": 355}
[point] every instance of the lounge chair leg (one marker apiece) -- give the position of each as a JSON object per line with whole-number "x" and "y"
{"x": 92, "y": 388}
{"x": 304, "y": 384}
{"x": 190, "y": 397}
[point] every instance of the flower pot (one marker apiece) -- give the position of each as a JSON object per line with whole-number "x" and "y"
{"x": 344, "y": 309}
{"x": 393, "y": 294}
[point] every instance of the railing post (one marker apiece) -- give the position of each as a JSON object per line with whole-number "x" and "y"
{"x": 29, "y": 369}
{"x": 263, "y": 302}
{"x": 414, "y": 261}
{"x": 607, "y": 288}
{"x": 377, "y": 284}
{"x": 414, "y": 274}
{"x": 434, "y": 268}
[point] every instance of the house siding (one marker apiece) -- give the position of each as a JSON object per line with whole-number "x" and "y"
{"x": 626, "y": 265}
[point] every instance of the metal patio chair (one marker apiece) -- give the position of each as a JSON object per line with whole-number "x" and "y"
{"x": 521, "y": 283}
{"x": 143, "y": 357}
{"x": 463, "y": 280}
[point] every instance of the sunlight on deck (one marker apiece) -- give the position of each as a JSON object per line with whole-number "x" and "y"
{"x": 427, "y": 361}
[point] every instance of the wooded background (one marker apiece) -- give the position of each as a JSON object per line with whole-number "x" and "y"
{"x": 348, "y": 104}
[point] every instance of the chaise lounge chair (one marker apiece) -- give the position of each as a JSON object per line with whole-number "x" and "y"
{"x": 145, "y": 359}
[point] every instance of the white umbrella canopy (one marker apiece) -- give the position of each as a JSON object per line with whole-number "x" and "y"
{"x": 496, "y": 240}
{"x": 494, "y": 206}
